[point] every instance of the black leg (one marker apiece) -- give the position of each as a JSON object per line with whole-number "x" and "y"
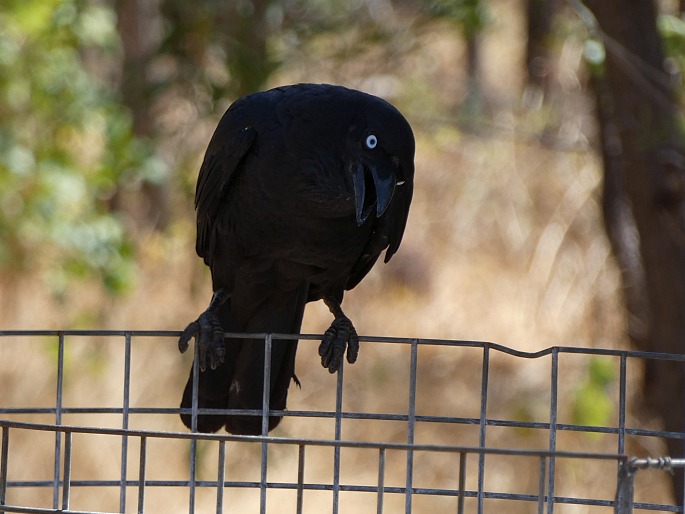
{"x": 340, "y": 335}
{"x": 208, "y": 333}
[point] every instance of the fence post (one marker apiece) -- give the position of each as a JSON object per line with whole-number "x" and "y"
{"x": 625, "y": 489}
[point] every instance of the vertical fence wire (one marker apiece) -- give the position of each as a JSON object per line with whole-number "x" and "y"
{"x": 266, "y": 401}
{"x": 338, "y": 436}
{"x": 622, "y": 404}
{"x": 300, "y": 478}
{"x": 124, "y": 420}
{"x": 381, "y": 481}
{"x": 221, "y": 477}
{"x": 58, "y": 419}
{"x": 554, "y": 394}
{"x": 541, "y": 484}
{"x": 483, "y": 424}
{"x": 141, "y": 475}
{"x": 193, "y": 428}
{"x": 411, "y": 421}
{"x": 66, "y": 486}
{"x": 462, "y": 482}
{"x": 620, "y": 506}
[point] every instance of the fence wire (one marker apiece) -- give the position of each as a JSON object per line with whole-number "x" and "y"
{"x": 428, "y": 457}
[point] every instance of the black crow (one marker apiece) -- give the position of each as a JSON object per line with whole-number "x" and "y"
{"x": 301, "y": 189}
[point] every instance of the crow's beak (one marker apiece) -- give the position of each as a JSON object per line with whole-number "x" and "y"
{"x": 373, "y": 185}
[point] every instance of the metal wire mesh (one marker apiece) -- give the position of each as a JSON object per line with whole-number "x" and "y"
{"x": 115, "y": 450}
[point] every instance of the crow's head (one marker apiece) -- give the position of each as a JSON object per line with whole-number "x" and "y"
{"x": 380, "y": 151}
{"x": 363, "y": 136}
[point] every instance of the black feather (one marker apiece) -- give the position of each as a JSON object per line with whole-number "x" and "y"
{"x": 276, "y": 224}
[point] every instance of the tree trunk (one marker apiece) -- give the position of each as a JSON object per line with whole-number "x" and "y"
{"x": 644, "y": 198}
{"x": 248, "y": 56}
{"x": 539, "y": 17}
{"x": 139, "y": 28}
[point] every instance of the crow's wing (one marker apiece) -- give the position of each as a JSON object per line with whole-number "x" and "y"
{"x": 395, "y": 221}
{"x": 224, "y": 158}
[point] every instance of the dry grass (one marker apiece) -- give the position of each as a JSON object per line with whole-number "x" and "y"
{"x": 504, "y": 243}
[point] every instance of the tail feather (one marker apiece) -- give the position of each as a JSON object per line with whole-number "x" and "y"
{"x": 239, "y": 382}
{"x": 213, "y": 387}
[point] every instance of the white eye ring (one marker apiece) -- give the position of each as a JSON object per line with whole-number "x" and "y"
{"x": 371, "y": 141}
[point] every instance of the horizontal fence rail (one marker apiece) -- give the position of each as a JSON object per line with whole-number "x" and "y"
{"x": 342, "y": 458}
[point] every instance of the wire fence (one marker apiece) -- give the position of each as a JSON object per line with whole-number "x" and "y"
{"x": 341, "y": 456}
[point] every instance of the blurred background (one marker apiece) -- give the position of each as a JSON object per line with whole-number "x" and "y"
{"x": 106, "y": 108}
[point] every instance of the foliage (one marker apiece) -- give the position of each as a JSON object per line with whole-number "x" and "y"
{"x": 219, "y": 48}
{"x": 69, "y": 151}
{"x": 672, "y": 30}
{"x": 228, "y": 50}
{"x": 470, "y": 15}
{"x": 68, "y": 147}
{"x": 594, "y": 405}
{"x": 65, "y": 143}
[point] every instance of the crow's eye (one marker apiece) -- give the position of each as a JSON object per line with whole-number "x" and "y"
{"x": 371, "y": 141}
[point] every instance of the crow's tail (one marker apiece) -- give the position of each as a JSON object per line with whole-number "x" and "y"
{"x": 239, "y": 382}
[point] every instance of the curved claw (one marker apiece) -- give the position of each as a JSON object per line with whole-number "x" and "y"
{"x": 209, "y": 336}
{"x": 189, "y": 332}
{"x": 353, "y": 347}
{"x": 339, "y": 336}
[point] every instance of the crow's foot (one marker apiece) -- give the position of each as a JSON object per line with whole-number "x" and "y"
{"x": 209, "y": 336}
{"x": 340, "y": 335}
{"x": 208, "y": 333}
